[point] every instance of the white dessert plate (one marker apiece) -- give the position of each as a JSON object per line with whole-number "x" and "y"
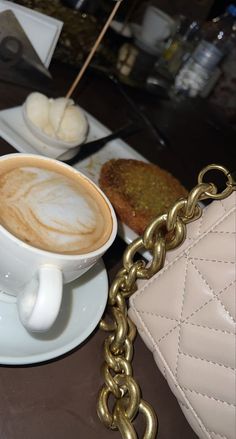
{"x": 14, "y": 130}
{"x": 83, "y": 304}
{"x": 43, "y": 31}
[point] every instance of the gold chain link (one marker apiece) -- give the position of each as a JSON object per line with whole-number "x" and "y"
{"x": 166, "y": 232}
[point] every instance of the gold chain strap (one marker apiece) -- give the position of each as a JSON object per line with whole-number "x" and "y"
{"x": 166, "y": 232}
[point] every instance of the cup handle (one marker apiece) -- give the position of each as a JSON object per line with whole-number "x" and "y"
{"x": 39, "y": 303}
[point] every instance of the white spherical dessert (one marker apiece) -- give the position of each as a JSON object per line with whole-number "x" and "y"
{"x": 73, "y": 125}
{"x": 58, "y": 122}
{"x": 57, "y": 110}
{"x": 37, "y": 108}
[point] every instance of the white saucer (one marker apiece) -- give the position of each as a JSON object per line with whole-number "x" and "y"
{"x": 83, "y": 304}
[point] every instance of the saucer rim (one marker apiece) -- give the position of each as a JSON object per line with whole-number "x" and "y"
{"x": 70, "y": 346}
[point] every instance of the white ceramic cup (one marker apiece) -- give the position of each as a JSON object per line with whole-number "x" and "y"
{"x": 156, "y": 26}
{"x": 36, "y": 276}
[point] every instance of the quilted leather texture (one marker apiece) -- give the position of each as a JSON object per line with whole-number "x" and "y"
{"x": 186, "y": 316}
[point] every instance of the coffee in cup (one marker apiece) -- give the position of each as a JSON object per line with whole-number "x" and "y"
{"x": 55, "y": 223}
{"x": 51, "y": 208}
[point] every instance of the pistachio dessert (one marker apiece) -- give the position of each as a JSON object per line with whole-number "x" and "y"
{"x": 139, "y": 191}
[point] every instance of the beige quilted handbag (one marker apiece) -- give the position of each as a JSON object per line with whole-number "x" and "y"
{"x": 183, "y": 304}
{"x": 186, "y": 316}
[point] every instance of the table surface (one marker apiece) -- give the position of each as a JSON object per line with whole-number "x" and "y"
{"x": 57, "y": 399}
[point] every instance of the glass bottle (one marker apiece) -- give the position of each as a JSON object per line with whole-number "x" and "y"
{"x": 218, "y": 37}
{"x": 179, "y": 48}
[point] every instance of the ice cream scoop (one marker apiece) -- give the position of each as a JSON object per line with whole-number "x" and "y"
{"x": 37, "y": 107}
{"x": 59, "y": 119}
{"x": 72, "y": 124}
{"x": 57, "y": 110}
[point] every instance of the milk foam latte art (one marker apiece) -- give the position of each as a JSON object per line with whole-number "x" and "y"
{"x": 51, "y": 209}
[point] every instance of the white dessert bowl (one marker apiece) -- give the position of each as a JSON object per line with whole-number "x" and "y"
{"x": 57, "y": 120}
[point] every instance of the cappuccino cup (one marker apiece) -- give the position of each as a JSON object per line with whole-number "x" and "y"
{"x": 55, "y": 224}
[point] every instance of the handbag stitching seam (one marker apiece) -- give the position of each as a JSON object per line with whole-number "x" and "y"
{"x": 167, "y": 367}
{"x": 222, "y": 204}
{"x": 216, "y": 232}
{"x": 215, "y": 297}
{"x": 192, "y": 410}
{"x": 191, "y": 315}
{"x": 158, "y": 315}
{"x": 179, "y": 256}
{"x": 201, "y": 222}
{"x": 208, "y": 361}
{"x": 214, "y": 294}
{"x": 224, "y": 331}
{"x": 204, "y": 395}
{"x": 204, "y": 214}
{"x": 222, "y": 232}
{"x": 180, "y": 332}
{"x": 181, "y": 313}
{"x": 212, "y": 260}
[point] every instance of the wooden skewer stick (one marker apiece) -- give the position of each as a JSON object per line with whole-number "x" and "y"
{"x": 93, "y": 50}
